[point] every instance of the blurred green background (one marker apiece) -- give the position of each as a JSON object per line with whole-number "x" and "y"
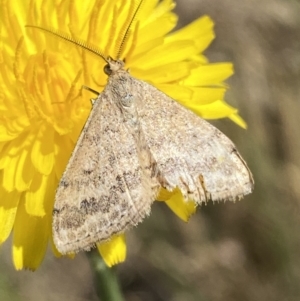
{"x": 249, "y": 250}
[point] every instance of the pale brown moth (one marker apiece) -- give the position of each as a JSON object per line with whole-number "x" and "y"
{"x": 136, "y": 141}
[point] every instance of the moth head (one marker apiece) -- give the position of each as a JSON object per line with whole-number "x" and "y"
{"x": 113, "y": 66}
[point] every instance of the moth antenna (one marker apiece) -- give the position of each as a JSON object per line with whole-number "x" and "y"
{"x": 75, "y": 41}
{"x": 125, "y": 36}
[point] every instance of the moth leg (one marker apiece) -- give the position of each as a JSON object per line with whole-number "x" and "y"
{"x": 91, "y": 90}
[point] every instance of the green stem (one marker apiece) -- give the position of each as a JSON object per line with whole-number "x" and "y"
{"x": 106, "y": 281}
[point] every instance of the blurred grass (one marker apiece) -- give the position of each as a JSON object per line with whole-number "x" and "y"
{"x": 229, "y": 252}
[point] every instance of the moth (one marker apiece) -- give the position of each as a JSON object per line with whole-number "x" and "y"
{"x": 136, "y": 141}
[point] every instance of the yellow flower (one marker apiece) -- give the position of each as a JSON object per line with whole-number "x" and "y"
{"x": 43, "y": 107}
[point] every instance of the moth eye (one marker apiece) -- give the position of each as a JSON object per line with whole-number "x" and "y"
{"x": 107, "y": 70}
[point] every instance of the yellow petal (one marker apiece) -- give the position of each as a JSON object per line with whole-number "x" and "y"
{"x": 63, "y": 149}
{"x": 16, "y": 164}
{"x": 207, "y": 75}
{"x": 151, "y": 44}
{"x": 200, "y": 31}
{"x": 5, "y": 135}
{"x": 238, "y": 120}
{"x": 204, "y": 95}
{"x": 171, "y": 72}
{"x": 176, "y": 91}
{"x": 150, "y": 32}
{"x": 175, "y": 201}
{"x": 199, "y": 58}
{"x": 113, "y": 251}
{"x": 8, "y": 209}
{"x": 9, "y": 173}
{"x": 42, "y": 154}
{"x": 4, "y": 158}
{"x": 40, "y": 196}
{"x": 14, "y": 127}
{"x": 152, "y": 10}
{"x": 34, "y": 202}
{"x": 164, "y": 195}
{"x": 165, "y": 54}
{"x": 215, "y": 110}
{"x": 24, "y": 172}
{"x": 30, "y": 238}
